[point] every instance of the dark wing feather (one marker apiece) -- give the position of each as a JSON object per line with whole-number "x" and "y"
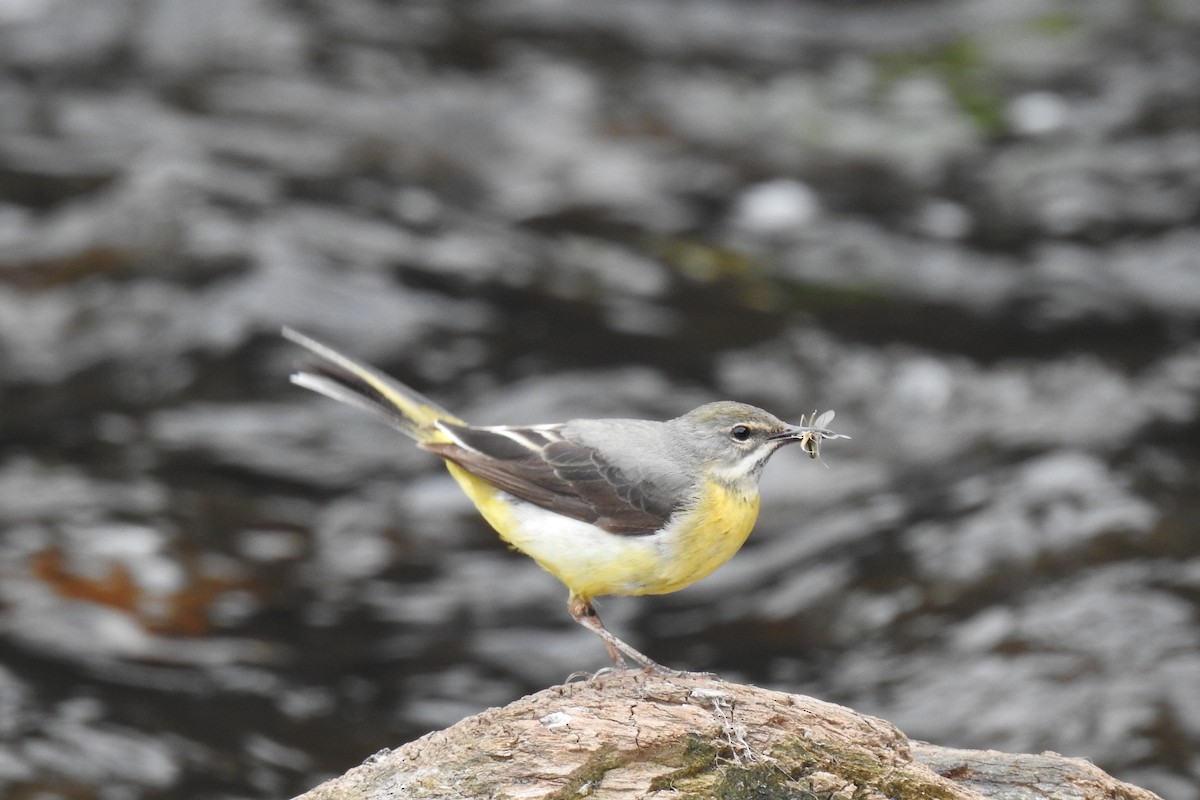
{"x": 540, "y": 466}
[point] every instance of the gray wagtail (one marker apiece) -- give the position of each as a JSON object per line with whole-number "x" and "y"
{"x": 607, "y": 506}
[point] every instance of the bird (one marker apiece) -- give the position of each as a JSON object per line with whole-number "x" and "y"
{"x": 607, "y": 506}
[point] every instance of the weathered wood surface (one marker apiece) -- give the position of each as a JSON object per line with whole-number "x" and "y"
{"x": 641, "y": 736}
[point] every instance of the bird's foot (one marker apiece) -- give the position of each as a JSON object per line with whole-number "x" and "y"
{"x": 604, "y": 672}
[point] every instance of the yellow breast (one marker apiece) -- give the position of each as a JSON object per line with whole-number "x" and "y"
{"x": 706, "y": 537}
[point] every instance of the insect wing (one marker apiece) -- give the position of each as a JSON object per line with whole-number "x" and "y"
{"x": 823, "y": 420}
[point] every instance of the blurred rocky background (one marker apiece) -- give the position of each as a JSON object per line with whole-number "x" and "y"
{"x": 972, "y": 228}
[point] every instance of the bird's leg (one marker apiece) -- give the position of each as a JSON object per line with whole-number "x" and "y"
{"x": 583, "y": 612}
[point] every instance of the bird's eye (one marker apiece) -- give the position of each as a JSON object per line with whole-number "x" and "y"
{"x": 739, "y": 433}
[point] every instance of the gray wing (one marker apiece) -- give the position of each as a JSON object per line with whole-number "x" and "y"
{"x": 542, "y": 466}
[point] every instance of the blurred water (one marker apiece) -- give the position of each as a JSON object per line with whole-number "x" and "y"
{"x": 972, "y": 230}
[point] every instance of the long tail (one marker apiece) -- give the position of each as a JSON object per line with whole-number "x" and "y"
{"x": 350, "y": 381}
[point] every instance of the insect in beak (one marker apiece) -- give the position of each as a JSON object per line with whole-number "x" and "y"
{"x": 811, "y": 432}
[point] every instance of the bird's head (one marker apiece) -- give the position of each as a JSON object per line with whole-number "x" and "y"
{"x": 734, "y": 440}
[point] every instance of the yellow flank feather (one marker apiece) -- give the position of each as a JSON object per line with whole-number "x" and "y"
{"x": 593, "y": 562}
{"x": 494, "y": 505}
{"x": 589, "y": 560}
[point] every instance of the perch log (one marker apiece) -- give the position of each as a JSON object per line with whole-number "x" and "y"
{"x": 635, "y": 735}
